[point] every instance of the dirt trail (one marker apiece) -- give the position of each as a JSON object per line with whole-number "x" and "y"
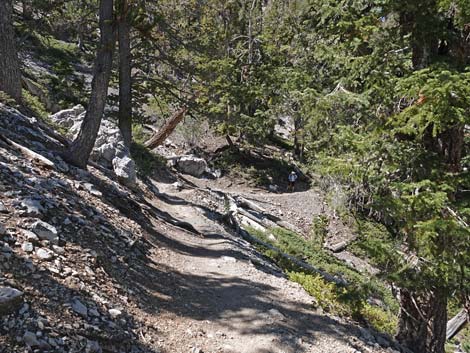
{"x": 228, "y": 300}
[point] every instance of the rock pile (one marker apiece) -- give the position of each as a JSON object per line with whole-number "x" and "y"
{"x": 109, "y": 150}
{"x": 56, "y": 227}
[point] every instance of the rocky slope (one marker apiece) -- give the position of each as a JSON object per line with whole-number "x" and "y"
{"x": 88, "y": 265}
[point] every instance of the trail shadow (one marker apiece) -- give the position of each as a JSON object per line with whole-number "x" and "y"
{"x": 111, "y": 243}
{"x": 50, "y": 288}
{"x": 262, "y": 170}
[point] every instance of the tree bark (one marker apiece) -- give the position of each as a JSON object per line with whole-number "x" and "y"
{"x": 10, "y": 75}
{"x": 422, "y": 321}
{"x": 125, "y": 83}
{"x": 80, "y": 149}
{"x": 27, "y": 10}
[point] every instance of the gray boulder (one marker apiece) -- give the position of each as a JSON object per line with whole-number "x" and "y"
{"x": 68, "y": 117}
{"x": 124, "y": 168}
{"x": 107, "y": 151}
{"x": 79, "y": 308}
{"x": 192, "y": 165}
{"x": 10, "y": 300}
{"x": 45, "y": 231}
{"x": 33, "y": 207}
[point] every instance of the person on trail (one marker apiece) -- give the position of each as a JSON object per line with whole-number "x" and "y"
{"x": 292, "y": 180}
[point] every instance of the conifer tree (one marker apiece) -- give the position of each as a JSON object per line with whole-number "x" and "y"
{"x": 79, "y": 152}
{"x": 10, "y": 75}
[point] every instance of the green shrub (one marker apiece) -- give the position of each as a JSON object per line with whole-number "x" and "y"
{"x": 35, "y": 105}
{"x": 382, "y": 320}
{"x": 138, "y": 134}
{"x": 319, "y": 229}
{"x": 6, "y": 99}
{"x": 325, "y": 293}
{"x": 349, "y": 300}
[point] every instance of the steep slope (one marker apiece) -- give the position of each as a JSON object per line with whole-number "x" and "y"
{"x": 148, "y": 270}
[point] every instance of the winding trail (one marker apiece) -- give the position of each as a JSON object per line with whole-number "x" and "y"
{"x": 219, "y": 295}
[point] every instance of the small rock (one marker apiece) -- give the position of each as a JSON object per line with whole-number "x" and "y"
{"x": 10, "y": 300}
{"x": 30, "y": 236}
{"x": 93, "y": 312}
{"x": 33, "y": 207}
{"x": 192, "y": 165}
{"x": 271, "y": 237}
{"x": 58, "y": 249}
{"x": 93, "y": 347}
{"x": 3, "y": 208}
{"x": 229, "y": 259}
{"x": 27, "y": 247}
{"x": 92, "y": 190}
{"x": 79, "y": 308}
{"x": 24, "y": 309}
{"x": 273, "y": 188}
{"x": 114, "y": 313}
{"x": 45, "y": 231}
{"x": 44, "y": 346}
{"x": 29, "y": 338}
{"x": 44, "y": 254}
{"x": 276, "y": 314}
{"x": 177, "y": 185}
{"x": 3, "y": 229}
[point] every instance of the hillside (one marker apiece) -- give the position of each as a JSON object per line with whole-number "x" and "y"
{"x": 240, "y": 176}
{"x": 120, "y": 270}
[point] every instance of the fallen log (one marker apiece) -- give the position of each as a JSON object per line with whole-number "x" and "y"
{"x": 289, "y": 226}
{"x": 250, "y": 205}
{"x": 232, "y": 221}
{"x": 456, "y": 324}
{"x": 263, "y": 222}
{"x": 34, "y": 156}
{"x": 246, "y": 221}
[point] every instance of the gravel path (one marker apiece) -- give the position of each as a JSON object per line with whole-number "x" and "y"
{"x": 227, "y": 302}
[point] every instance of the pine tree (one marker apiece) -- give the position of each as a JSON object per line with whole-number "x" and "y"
{"x": 79, "y": 152}
{"x": 10, "y": 75}
{"x": 125, "y": 80}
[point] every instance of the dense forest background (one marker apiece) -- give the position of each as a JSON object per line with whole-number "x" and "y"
{"x": 379, "y": 92}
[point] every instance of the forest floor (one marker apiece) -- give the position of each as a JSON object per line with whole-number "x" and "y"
{"x": 146, "y": 270}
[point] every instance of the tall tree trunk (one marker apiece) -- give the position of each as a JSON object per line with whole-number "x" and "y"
{"x": 125, "y": 84}
{"x": 80, "y": 149}
{"x": 10, "y": 75}
{"x": 423, "y": 320}
{"x": 27, "y": 10}
{"x": 297, "y": 140}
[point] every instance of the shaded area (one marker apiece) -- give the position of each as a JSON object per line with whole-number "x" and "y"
{"x": 114, "y": 242}
{"x": 264, "y": 170}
